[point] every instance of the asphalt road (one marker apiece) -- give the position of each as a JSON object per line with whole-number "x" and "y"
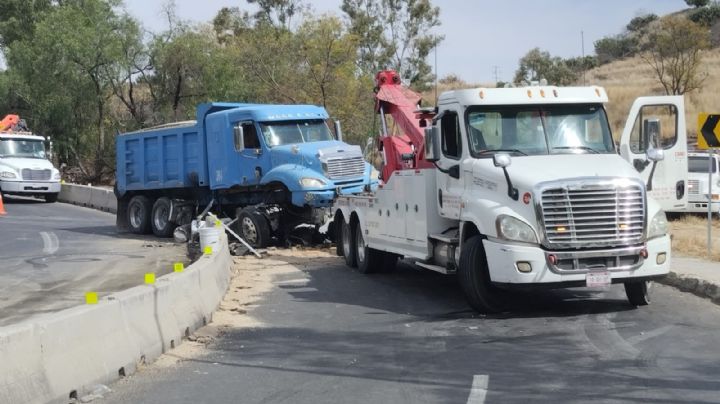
{"x": 51, "y": 254}
{"x": 332, "y": 335}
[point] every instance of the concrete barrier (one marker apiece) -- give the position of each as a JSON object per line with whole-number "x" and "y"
{"x": 64, "y": 355}
{"x": 89, "y": 196}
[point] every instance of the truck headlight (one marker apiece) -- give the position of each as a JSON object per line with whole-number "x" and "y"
{"x": 7, "y": 174}
{"x": 308, "y": 182}
{"x": 658, "y": 225}
{"x": 374, "y": 174}
{"x": 57, "y": 176}
{"x": 510, "y": 228}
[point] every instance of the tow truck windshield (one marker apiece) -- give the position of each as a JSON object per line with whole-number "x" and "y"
{"x": 538, "y": 130}
{"x": 291, "y": 132}
{"x": 26, "y": 148}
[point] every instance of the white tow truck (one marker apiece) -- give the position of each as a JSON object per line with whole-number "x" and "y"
{"x": 520, "y": 188}
{"x": 24, "y": 165}
{"x": 702, "y": 188}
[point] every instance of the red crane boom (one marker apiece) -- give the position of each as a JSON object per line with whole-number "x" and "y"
{"x": 405, "y": 151}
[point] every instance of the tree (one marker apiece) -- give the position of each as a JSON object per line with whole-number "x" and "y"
{"x": 609, "y": 49}
{"x": 395, "y": 34}
{"x": 277, "y": 13}
{"x": 640, "y": 22}
{"x": 66, "y": 69}
{"x": 537, "y": 65}
{"x": 697, "y": 3}
{"x": 673, "y": 50}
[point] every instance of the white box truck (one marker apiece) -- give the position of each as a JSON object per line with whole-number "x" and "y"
{"x": 24, "y": 165}
{"x": 520, "y": 188}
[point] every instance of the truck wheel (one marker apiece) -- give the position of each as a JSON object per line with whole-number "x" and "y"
{"x": 138, "y": 213}
{"x": 254, "y": 228}
{"x": 161, "y": 224}
{"x": 348, "y": 245}
{"x": 474, "y": 278}
{"x": 369, "y": 260}
{"x": 50, "y": 198}
{"x": 337, "y": 225}
{"x": 638, "y": 293}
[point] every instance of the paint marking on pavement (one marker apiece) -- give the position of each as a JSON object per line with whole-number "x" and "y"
{"x": 50, "y": 242}
{"x": 478, "y": 390}
{"x": 650, "y": 334}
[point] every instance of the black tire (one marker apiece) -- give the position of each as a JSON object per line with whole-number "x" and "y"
{"x": 254, "y": 228}
{"x": 474, "y": 278}
{"x": 160, "y": 221}
{"x": 337, "y": 223}
{"x": 638, "y": 293}
{"x": 138, "y": 214}
{"x": 50, "y": 198}
{"x": 368, "y": 259}
{"x": 348, "y": 244}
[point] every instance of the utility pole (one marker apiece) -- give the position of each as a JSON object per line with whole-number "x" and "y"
{"x": 496, "y": 73}
{"x": 582, "y": 46}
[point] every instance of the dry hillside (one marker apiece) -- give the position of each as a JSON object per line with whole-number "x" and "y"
{"x": 628, "y": 79}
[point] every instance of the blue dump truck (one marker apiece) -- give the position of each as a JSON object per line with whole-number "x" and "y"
{"x": 273, "y": 167}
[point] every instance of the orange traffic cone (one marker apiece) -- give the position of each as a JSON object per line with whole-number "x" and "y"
{"x": 2, "y": 208}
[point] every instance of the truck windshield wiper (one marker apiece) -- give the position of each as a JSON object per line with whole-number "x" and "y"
{"x": 481, "y": 152}
{"x": 587, "y": 149}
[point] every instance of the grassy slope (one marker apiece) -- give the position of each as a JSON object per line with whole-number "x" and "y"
{"x": 628, "y": 79}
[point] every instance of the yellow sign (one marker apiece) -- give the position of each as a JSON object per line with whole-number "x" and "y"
{"x": 149, "y": 278}
{"x": 208, "y": 250}
{"x": 708, "y": 131}
{"x": 91, "y": 298}
{"x": 178, "y": 267}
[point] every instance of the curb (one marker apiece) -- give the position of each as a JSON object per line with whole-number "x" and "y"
{"x": 696, "y": 286}
{"x": 89, "y": 197}
{"x": 63, "y": 356}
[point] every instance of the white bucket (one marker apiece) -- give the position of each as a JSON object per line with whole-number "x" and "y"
{"x": 210, "y": 237}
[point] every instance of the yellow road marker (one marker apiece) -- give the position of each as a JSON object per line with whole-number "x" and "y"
{"x": 207, "y": 250}
{"x": 91, "y": 298}
{"x": 178, "y": 267}
{"x": 149, "y": 278}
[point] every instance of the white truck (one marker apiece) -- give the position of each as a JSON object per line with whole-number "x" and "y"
{"x": 701, "y": 189}
{"x": 24, "y": 165}
{"x": 520, "y": 188}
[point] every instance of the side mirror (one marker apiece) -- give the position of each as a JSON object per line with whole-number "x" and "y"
{"x": 432, "y": 144}
{"x": 655, "y": 155}
{"x": 502, "y": 160}
{"x": 338, "y": 131}
{"x": 239, "y": 138}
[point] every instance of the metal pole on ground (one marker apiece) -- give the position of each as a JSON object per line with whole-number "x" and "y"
{"x": 711, "y": 160}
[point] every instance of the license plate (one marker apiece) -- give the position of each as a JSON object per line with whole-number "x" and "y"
{"x": 597, "y": 279}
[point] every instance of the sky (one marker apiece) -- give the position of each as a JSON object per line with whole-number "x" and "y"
{"x": 484, "y": 39}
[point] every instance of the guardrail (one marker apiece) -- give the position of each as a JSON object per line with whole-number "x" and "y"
{"x": 89, "y": 196}
{"x": 62, "y": 356}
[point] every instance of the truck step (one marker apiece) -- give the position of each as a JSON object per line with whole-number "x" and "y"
{"x": 450, "y": 239}
{"x": 436, "y": 268}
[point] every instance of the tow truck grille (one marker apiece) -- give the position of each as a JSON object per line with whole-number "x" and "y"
{"x": 583, "y": 215}
{"x": 693, "y": 187}
{"x": 345, "y": 167}
{"x": 36, "y": 175}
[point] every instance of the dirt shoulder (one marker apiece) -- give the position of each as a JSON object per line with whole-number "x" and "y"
{"x": 689, "y": 237}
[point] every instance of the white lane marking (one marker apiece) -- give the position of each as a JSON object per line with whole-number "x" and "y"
{"x": 50, "y": 242}
{"x": 478, "y": 390}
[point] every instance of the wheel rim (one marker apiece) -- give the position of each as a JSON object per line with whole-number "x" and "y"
{"x": 249, "y": 230}
{"x": 135, "y": 215}
{"x": 161, "y": 217}
{"x": 360, "y": 246}
{"x": 346, "y": 238}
